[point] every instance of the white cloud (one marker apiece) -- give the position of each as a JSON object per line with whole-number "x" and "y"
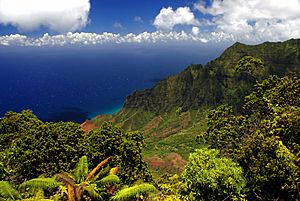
{"x": 57, "y": 15}
{"x": 118, "y": 25}
{"x": 105, "y": 38}
{"x": 254, "y": 20}
{"x": 168, "y": 18}
{"x": 195, "y": 30}
{"x": 138, "y": 19}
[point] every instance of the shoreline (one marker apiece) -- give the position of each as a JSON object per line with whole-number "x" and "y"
{"x": 112, "y": 110}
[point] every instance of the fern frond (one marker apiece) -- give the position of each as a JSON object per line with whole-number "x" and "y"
{"x": 66, "y": 178}
{"x": 97, "y": 168}
{"x": 110, "y": 180}
{"x": 41, "y": 183}
{"x": 93, "y": 192}
{"x": 8, "y": 192}
{"x": 82, "y": 170}
{"x": 133, "y": 192}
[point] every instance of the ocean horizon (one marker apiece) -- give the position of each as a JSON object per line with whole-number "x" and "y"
{"x": 79, "y": 83}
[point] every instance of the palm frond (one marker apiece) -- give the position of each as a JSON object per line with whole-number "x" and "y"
{"x": 81, "y": 171}
{"x": 8, "y": 192}
{"x": 41, "y": 183}
{"x": 133, "y": 192}
{"x": 110, "y": 180}
{"x": 101, "y": 174}
{"x": 66, "y": 178}
{"x": 71, "y": 193}
{"x": 93, "y": 192}
{"x": 97, "y": 168}
{"x": 62, "y": 190}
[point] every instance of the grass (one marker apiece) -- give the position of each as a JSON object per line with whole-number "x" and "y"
{"x": 172, "y": 132}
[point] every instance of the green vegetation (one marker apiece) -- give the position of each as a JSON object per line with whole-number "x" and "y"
{"x": 82, "y": 180}
{"x": 126, "y": 147}
{"x": 211, "y": 177}
{"x": 266, "y": 141}
{"x": 250, "y": 65}
{"x": 28, "y": 142}
{"x": 78, "y": 185}
{"x": 229, "y": 130}
{"x": 134, "y": 192}
{"x": 174, "y": 111}
{"x": 7, "y": 192}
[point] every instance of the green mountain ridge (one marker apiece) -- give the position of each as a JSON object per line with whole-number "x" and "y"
{"x": 174, "y": 111}
{"x": 216, "y": 82}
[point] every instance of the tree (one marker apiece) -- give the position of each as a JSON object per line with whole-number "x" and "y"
{"x": 225, "y": 130}
{"x": 39, "y": 148}
{"x": 30, "y": 148}
{"x": 84, "y": 181}
{"x": 80, "y": 181}
{"x": 126, "y": 147}
{"x": 265, "y": 142}
{"x": 272, "y": 169}
{"x": 250, "y": 65}
{"x": 15, "y": 125}
{"x": 169, "y": 188}
{"x": 208, "y": 176}
{"x": 95, "y": 183}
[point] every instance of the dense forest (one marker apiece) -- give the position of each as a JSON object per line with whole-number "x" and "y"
{"x": 248, "y": 149}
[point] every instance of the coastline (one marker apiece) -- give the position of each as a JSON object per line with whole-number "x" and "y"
{"x": 111, "y": 110}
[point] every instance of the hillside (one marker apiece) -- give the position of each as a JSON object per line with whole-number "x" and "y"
{"x": 174, "y": 111}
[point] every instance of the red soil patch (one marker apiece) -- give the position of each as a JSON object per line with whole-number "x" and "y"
{"x": 176, "y": 161}
{"x": 155, "y": 162}
{"x": 87, "y": 126}
{"x": 171, "y": 163}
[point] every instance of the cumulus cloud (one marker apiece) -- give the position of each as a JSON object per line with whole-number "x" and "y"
{"x": 254, "y": 20}
{"x": 195, "y": 30}
{"x": 57, "y": 15}
{"x": 168, "y": 18}
{"x": 105, "y": 38}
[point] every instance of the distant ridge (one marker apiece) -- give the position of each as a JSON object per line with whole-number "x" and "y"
{"x": 216, "y": 83}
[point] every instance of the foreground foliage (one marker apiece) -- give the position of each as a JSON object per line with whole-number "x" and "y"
{"x": 134, "y": 192}
{"x": 211, "y": 177}
{"x": 101, "y": 183}
{"x": 7, "y": 192}
{"x": 265, "y": 142}
{"x": 30, "y": 148}
{"x": 126, "y": 147}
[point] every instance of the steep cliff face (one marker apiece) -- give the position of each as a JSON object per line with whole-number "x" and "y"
{"x": 216, "y": 82}
{"x": 174, "y": 111}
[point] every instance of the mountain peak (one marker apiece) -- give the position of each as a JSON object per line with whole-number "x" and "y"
{"x": 216, "y": 82}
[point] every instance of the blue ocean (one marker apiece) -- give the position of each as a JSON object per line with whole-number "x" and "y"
{"x": 75, "y": 83}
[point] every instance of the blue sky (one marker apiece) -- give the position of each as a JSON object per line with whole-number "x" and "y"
{"x": 248, "y": 21}
{"x": 105, "y": 13}
{"x": 133, "y": 15}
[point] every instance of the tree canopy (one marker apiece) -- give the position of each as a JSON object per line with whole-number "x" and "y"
{"x": 30, "y": 148}
{"x": 265, "y": 140}
{"x": 209, "y": 176}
